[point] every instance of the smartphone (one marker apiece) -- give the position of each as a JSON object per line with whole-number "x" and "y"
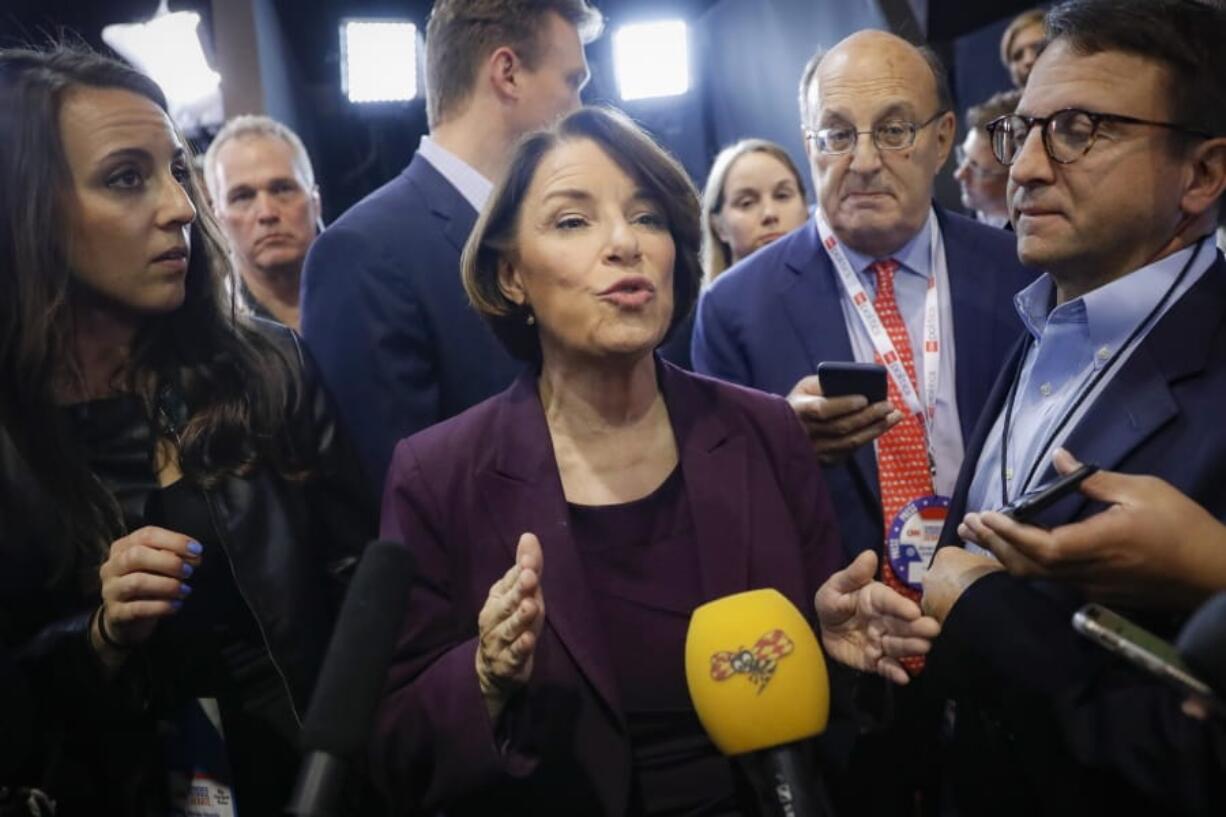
{"x": 1141, "y": 647}
{"x": 1029, "y": 505}
{"x": 840, "y": 379}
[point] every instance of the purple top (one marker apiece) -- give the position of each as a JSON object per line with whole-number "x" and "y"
{"x": 641, "y": 563}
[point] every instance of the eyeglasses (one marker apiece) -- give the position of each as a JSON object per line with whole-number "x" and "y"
{"x": 893, "y": 134}
{"x": 976, "y": 169}
{"x": 1067, "y": 134}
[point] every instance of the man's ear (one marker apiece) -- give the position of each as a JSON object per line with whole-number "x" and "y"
{"x": 317, "y": 208}
{"x": 1207, "y": 179}
{"x": 947, "y": 131}
{"x": 511, "y": 282}
{"x": 503, "y": 69}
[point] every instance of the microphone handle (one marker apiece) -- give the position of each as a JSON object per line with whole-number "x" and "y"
{"x": 786, "y": 782}
{"x": 321, "y": 780}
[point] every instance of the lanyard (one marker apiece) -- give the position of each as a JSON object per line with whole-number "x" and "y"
{"x": 877, "y": 333}
{"x": 1086, "y": 390}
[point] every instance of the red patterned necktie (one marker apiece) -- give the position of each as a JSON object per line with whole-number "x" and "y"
{"x": 902, "y": 453}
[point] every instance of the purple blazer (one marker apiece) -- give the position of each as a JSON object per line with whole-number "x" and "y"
{"x": 461, "y": 493}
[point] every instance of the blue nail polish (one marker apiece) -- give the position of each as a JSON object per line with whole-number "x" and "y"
{"x": 185, "y": 589}
{"x": 195, "y": 548}
{"x": 175, "y": 605}
{"x": 187, "y": 570}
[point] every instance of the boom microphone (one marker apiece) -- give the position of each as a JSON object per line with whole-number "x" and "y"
{"x": 338, "y": 721}
{"x": 758, "y": 682}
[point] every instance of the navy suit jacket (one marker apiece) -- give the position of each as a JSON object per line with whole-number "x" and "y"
{"x": 461, "y": 493}
{"x": 1047, "y": 721}
{"x": 385, "y": 314}
{"x": 772, "y": 318}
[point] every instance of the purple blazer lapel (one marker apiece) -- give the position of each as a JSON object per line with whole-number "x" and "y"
{"x": 523, "y": 493}
{"x": 713, "y": 462}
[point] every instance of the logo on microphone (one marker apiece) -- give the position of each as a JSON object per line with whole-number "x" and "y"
{"x": 758, "y": 663}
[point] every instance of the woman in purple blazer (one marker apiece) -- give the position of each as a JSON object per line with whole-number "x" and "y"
{"x": 566, "y": 528}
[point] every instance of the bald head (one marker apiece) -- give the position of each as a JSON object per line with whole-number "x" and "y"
{"x": 876, "y": 198}
{"x": 872, "y": 53}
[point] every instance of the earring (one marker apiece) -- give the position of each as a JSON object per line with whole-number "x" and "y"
{"x": 531, "y": 320}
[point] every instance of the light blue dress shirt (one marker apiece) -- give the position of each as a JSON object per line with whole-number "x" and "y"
{"x": 1070, "y": 343}
{"x": 910, "y": 289}
{"x": 474, "y": 187}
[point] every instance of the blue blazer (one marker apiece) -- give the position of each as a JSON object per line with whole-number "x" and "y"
{"x": 772, "y": 318}
{"x": 385, "y": 314}
{"x": 461, "y": 493}
{"x": 1113, "y": 738}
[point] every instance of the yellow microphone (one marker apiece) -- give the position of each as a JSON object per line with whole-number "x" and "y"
{"x": 758, "y": 682}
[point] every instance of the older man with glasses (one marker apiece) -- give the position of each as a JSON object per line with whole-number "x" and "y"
{"x": 879, "y": 274}
{"x": 1117, "y": 165}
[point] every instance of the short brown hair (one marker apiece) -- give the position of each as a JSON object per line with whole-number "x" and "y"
{"x": 661, "y": 176}
{"x": 461, "y": 33}
{"x": 1022, "y": 21}
{"x": 716, "y": 254}
{"x": 997, "y": 105}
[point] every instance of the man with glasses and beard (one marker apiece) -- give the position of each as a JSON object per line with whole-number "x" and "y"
{"x": 1117, "y": 165}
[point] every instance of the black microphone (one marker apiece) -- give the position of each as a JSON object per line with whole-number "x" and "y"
{"x": 338, "y": 721}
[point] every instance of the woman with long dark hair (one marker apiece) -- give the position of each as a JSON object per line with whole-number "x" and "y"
{"x": 178, "y": 513}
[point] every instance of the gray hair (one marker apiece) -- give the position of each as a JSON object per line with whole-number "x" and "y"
{"x": 250, "y": 125}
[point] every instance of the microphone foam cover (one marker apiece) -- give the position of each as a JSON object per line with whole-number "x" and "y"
{"x": 354, "y": 671}
{"x": 755, "y": 672}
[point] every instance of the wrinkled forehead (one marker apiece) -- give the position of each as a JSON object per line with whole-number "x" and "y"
{"x": 865, "y": 83}
{"x": 259, "y": 155}
{"x": 1106, "y": 81}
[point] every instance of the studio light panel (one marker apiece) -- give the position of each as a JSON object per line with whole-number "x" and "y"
{"x": 379, "y": 60}
{"x": 652, "y": 59}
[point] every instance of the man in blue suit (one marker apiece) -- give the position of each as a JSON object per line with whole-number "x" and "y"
{"x": 878, "y": 126}
{"x": 1117, "y": 160}
{"x": 384, "y": 312}
{"x": 770, "y": 320}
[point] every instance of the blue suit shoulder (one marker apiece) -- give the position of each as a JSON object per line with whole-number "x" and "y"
{"x": 764, "y": 270}
{"x": 389, "y": 211}
{"x": 984, "y": 249}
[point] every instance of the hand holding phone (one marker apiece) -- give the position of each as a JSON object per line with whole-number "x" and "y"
{"x": 839, "y": 379}
{"x": 1117, "y": 634}
{"x": 843, "y": 407}
{"x": 1029, "y": 505}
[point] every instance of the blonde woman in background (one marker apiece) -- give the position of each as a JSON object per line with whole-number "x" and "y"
{"x": 754, "y": 195}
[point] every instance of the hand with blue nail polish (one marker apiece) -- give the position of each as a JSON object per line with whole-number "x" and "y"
{"x": 143, "y": 580}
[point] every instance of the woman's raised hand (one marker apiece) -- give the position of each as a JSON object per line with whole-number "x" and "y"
{"x": 144, "y": 579}
{"x": 509, "y": 627}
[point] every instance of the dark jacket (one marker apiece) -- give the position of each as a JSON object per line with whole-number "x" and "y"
{"x": 461, "y": 493}
{"x": 385, "y": 314}
{"x": 1047, "y": 722}
{"x": 769, "y": 321}
{"x": 92, "y": 743}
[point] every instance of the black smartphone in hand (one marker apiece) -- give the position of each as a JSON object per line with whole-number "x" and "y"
{"x": 1029, "y": 505}
{"x": 839, "y": 379}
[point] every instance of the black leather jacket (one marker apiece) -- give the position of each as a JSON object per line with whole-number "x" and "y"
{"x": 92, "y": 742}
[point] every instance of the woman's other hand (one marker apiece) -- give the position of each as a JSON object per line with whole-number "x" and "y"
{"x": 868, "y": 626}
{"x": 144, "y": 579}
{"x": 509, "y": 627}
